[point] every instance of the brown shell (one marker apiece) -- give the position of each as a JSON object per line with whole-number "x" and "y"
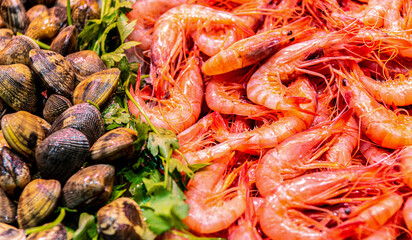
{"x": 117, "y": 144}
{"x": 35, "y": 11}
{"x": 55, "y": 105}
{"x": 85, "y": 63}
{"x": 121, "y": 219}
{"x": 91, "y": 185}
{"x": 66, "y": 41}
{"x": 3, "y": 141}
{"x": 5, "y": 32}
{"x": 54, "y": 72}
{"x": 61, "y": 154}
{"x": 47, "y": 25}
{"x": 22, "y": 131}
{"x": 57, "y": 232}
{"x": 17, "y": 51}
{"x": 7, "y": 209}
{"x": 4, "y": 40}
{"x": 18, "y": 88}
{"x": 37, "y": 201}
{"x": 97, "y": 88}
{"x": 83, "y": 117}
{"x": 11, "y": 233}
{"x": 14, "y": 172}
{"x": 83, "y": 10}
{"x": 13, "y": 14}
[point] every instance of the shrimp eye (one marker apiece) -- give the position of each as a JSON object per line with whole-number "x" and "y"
{"x": 345, "y": 82}
{"x": 348, "y": 211}
{"x": 292, "y": 39}
{"x": 289, "y": 33}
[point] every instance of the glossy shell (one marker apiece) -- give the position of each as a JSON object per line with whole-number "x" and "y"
{"x": 35, "y": 11}
{"x": 8, "y": 232}
{"x": 17, "y": 51}
{"x": 121, "y": 219}
{"x": 85, "y": 63}
{"x": 7, "y": 209}
{"x": 97, "y": 88}
{"x": 22, "y": 131}
{"x": 117, "y": 144}
{"x": 18, "y": 88}
{"x": 66, "y": 41}
{"x": 47, "y": 25}
{"x": 13, "y": 14}
{"x": 57, "y": 232}
{"x": 37, "y": 201}
{"x": 82, "y": 10}
{"x": 91, "y": 185}
{"x": 53, "y": 70}
{"x": 55, "y": 105}
{"x": 61, "y": 154}
{"x": 14, "y": 172}
{"x": 83, "y": 117}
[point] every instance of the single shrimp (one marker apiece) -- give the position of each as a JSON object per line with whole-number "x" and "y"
{"x": 376, "y": 155}
{"x": 183, "y": 107}
{"x": 294, "y": 156}
{"x": 146, "y": 12}
{"x": 256, "y": 48}
{"x": 170, "y": 37}
{"x": 378, "y": 123}
{"x": 279, "y": 217}
{"x": 265, "y": 87}
{"x": 212, "y": 207}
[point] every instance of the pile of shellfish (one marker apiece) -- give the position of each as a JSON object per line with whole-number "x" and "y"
{"x": 51, "y": 125}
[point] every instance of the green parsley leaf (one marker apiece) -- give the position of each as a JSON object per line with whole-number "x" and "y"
{"x": 162, "y": 143}
{"x": 87, "y": 227}
{"x": 125, "y": 28}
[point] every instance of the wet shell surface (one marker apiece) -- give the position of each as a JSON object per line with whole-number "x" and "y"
{"x": 18, "y": 88}
{"x": 97, "y": 88}
{"x": 37, "y": 201}
{"x": 117, "y": 144}
{"x": 82, "y": 10}
{"x": 8, "y": 232}
{"x": 14, "y": 172}
{"x": 22, "y": 131}
{"x": 7, "y": 209}
{"x": 83, "y": 117}
{"x": 13, "y": 14}
{"x": 91, "y": 185}
{"x": 57, "y": 232}
{"x": 5, "y": 32}
{"x": 121, "y": 219}
{"x": 55, "y": 105}
{"x": 61, "y": 154}
{"x": 85, "y": 63}
{"x": 66, "y": 41}
{"x": 54, "y": 71}
{"x": 17, "y": 51}
{"x": 35, "y": 11}
{"x": 4, "y": 40}
{"x": 47, "y": 25}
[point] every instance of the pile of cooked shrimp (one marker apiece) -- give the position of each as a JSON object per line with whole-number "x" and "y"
{"x": 300, "y": 107}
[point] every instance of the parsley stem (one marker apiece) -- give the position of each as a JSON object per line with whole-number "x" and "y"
{"x": 41, "y": 45}
{"x": 58, "y": 220}
{"x": 69, "y": 13}
{"x": 140, "y": 108}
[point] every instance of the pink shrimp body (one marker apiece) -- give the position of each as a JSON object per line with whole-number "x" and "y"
{"x": 253, "y": 49}
{"x": 219, "y": 213}
{"x": 288, "y": 159}
{"x": 374, "y": 154}
{"x": 405, "y": 158}
{"x": 407, "y": 213}
{"x": 146, "y": 12}
{"x": 183, "y": 107}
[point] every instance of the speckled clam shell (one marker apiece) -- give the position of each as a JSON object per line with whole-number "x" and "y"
{"x": 17, "y": 51}
{"x": 91, "y": 185}
{"x": 13, "y": 14}
{"x": 35, "y": 11}
{"x": 61, "y": 154}
{"x": 57, "y": 232}
{"x": 97, "y": 88}
{"x": 14, "y": 172}
{"x": 8, "y": 232}
{"x": 117, "y": 144}
{"x": 7, "y": 209}
{"x": 47, "y": 25}
{"x": 121, "y": 219}
{"x": 85, "y": 63}
{"x": 66, "y": 41}
{"x": 83, "y": 117}
{"x": 5, "y": 32}
{"x": 83, "y": 10}
{"x": 37, "y": 201}
{"x": 18, "y": 88}
{"x": 22, "y": 131}
{"x": 55, "y": 105}
{"x": 54, "y": 72}
{"x": 4, "y": 40}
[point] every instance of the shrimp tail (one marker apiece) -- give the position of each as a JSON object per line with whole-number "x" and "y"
{"x": 219, "y": 127}
{"x": 295, "y": 102}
